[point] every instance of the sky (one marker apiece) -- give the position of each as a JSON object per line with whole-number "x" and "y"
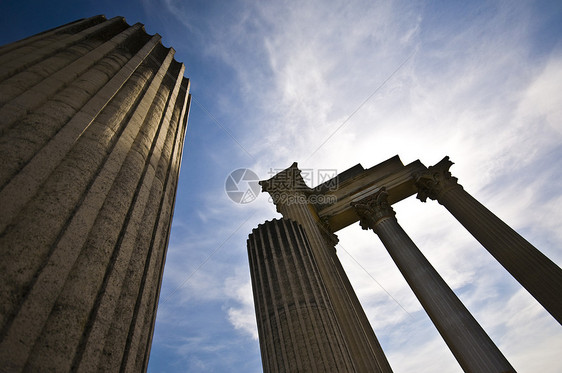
{"x": 330, "y": 84}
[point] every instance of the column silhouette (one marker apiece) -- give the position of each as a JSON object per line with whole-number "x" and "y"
{"x": 534, "y": 271}
{"x": 468, "y": 342}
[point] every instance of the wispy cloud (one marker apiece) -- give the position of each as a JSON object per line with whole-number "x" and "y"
{"x": 286, "y": 77}
{"x": 241, "y": 314}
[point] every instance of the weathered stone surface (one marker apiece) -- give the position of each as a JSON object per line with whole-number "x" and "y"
{"x": 92, "y": 122}
{"x": 297, "y": 324}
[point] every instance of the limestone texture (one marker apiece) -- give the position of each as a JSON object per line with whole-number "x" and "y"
{"x": 93, "y": 116}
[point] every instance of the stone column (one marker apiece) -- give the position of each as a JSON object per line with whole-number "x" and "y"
{"x": 92, "y": 122}
{"x": 470, "y": 345}
{"x": 534, "y": 271}
{"x": 290, "y": 195}
{"x": 297, "y": 325}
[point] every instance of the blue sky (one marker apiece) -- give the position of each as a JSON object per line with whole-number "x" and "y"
{"x": 272, "y": 81}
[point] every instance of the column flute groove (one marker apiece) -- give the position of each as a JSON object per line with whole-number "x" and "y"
{"x": 272, "y": 281}
{"x": 299, "y": 288}
{"x": 285, "y": 298}
{"x": 261, "y": 307}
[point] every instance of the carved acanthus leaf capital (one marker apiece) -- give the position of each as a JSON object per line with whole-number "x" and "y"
{"x": 436, "y": 181}
{"x": 373, "y": 208}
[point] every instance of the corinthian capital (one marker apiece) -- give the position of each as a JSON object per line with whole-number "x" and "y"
{"x": 373, "y": 208}
{"x": 285, "y": 185}
{"x": 436, "y": 181}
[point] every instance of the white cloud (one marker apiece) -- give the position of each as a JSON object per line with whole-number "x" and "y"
{"x": 541, "y": 100}
{"x": 472, "y": 89}
{"x": 242, "y": 315}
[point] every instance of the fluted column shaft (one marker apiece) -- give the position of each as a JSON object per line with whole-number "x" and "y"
{"x": 92, "y": 123}
{"x": 296, "y": 320}
{"x": 288, "y": 191}
{"x": 534, "y": 271}
{"x": 468, "y": 342}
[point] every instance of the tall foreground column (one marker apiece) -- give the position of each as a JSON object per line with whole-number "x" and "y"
{"x": 297, "y": 325}
{"x": 468, "y": 342}
{"x": 534, "y": 271}
{"x": 92, "y": 122}
{"x": 290, "y": 195}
